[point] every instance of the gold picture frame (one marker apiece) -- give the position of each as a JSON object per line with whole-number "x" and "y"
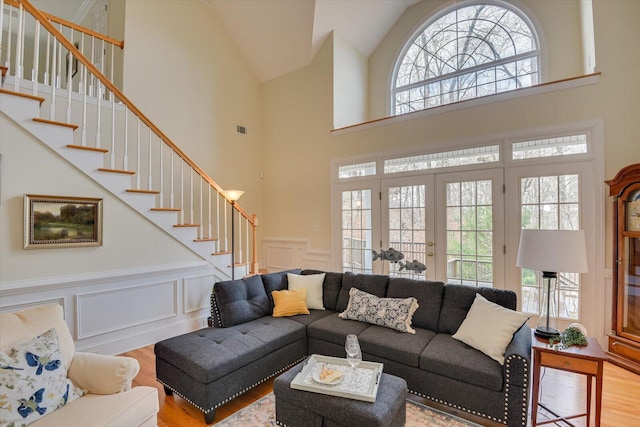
{"x": 61, "y": 222}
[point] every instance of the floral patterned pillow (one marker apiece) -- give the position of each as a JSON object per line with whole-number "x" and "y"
{"x": 394, "y": 313}
{"x": 33, "y": 381}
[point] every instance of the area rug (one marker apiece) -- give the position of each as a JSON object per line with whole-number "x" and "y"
{"x": 262, "y": 413}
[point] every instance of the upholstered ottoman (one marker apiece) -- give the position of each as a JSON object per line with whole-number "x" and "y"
{"x": 298, "y": 408}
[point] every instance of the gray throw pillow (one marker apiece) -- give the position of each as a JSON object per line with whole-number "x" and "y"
{"x": 240, "y": 301}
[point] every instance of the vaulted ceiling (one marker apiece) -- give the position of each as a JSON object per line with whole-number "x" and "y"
{"x": 280, "y": 36}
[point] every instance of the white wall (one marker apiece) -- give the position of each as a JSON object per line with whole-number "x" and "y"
{"x": 301, "y": 145}
{"x": 349, "y": 84}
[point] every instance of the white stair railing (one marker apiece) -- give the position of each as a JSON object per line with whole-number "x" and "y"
{"x": 61, "y": 62}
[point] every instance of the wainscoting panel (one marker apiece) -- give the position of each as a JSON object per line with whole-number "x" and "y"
{"x": 114, "y": 312}
{"x": 197, "y": 291}
{"x": 125, "y": 308}
{"x": 284, "y": 254}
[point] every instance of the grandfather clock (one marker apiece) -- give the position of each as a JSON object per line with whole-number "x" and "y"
{"x": 624, "y": 341}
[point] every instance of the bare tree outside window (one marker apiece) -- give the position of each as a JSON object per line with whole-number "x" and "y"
{"x": 467, "y": 53}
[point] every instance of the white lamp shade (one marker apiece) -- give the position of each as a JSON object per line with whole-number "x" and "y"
{"x": 232, "y": 195}
{"x": 558, "y": 251}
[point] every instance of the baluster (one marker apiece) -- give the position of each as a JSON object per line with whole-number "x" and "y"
{"x": 98, "y": 113}
{"x": 19, "y": 51}
{"x": 200, "y": 197}
{"x": 125, "y": 158}
{"x": 7, "y": 62}
{"x": 218, "y": 220}
{"x": 84, "y": 107}
{"x": 81, "y": 85}
{"x": 93, "y": 81}
{"x": 161, "y": 148}
{"x": 52, "y": 113}
{"x": 226, "y": 229}
{"x": 150, "y": 179}
{"x": 209, "y": 207}
{"x": 113, "y": 133}
{"x": 181, "y": 191}
{"x": 138, "y": 143}
{"x": 47, "y": 60}
{"x": 102, "y": 64}
{"x": 239, "y": 245}
{"x": 171, "y": 198}
{"x": 2, "y": 24}
{"x": 69, "y": 77}
{"x": 246, "y": 241}
{"x": 36, "y": 59}
{"x": 59, "y": 65}
{"x": 190, "y": 195}
{"x": 111, "y": 72}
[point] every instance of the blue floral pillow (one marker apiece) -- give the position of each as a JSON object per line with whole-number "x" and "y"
{"x": 33, "y": 381}
{"x": 394, "y": 313}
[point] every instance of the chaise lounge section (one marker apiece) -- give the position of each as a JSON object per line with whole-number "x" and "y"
{"x": 247, "y": 345}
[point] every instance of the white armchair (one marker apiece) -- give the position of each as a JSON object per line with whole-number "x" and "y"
{"x": 109, "y": 400}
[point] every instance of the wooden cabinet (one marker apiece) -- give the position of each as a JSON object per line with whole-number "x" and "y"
{"x": 624, "y": 342}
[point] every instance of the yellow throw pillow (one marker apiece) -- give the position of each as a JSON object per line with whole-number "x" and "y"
{"x": 290, "y": 303}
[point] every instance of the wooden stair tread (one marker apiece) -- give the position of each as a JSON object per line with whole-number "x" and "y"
{"x": 24, "y": 95}
{"x": 82, "y": 147}
{"x": 207, "y": 239}
{"x": 116, "y": 171}
{"x": 166, "y": 209}
{"x": 222, "y": 253}
{"x": 186, "y": 225}
{"x": 132, "y": 190}
{"x": 53, "y": 122}
{"x": 3, "y": 70}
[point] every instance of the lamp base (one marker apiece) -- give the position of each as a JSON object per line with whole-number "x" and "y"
{"x": 546, "y": 332}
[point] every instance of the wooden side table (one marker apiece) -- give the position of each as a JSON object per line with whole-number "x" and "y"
{"x": 587, "y": 360}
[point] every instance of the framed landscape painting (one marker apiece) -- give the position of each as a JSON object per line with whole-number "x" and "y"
{"x": 60, "y": 222}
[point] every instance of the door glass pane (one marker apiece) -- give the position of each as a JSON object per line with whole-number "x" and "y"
{"x": 356, "y": 231}
{"x": 407, "y": 232}
{"x": 469, "y": 233}
{"x": 550, "y": 203}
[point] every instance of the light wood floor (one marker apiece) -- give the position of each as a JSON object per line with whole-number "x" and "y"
{"x": 561, "y": 391}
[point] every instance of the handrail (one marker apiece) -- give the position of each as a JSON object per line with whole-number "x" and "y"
{"x": 130, "y": 105}
{"x": 119, "y": 43}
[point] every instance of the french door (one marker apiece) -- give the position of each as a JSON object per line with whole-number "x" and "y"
{"x": 450, "y": 223}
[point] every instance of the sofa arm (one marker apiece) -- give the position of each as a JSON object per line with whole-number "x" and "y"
{"x": 517, "y": 358}
{"x": 102, "y": 374}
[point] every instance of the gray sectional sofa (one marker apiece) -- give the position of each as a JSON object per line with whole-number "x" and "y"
{"x": 247, "y": 344}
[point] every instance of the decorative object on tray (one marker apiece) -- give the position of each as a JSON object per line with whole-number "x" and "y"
{"x": 352, "y": 347}
{"x": 329, "y": 375}
{"x": 359, "y": 383}
{"x": 570, "y": 336}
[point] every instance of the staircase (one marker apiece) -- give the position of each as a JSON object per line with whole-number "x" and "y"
{"x": 86, "y": 120}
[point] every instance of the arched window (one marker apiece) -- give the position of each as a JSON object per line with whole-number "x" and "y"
{"x": 467, "y": 52}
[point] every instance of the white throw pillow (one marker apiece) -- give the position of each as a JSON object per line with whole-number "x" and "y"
{"x": 489, "y": 327}
{"x": 33, "y": 381}
{"x": 313, "y": 284}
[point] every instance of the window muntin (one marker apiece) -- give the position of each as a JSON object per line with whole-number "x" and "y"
{"x": 356, "y": 170}
{"x": 558, "y": 146}
{"x": 470, "y": 52}
{"x": 467, "y": 156}
{"x": 357, "y": 239}
{"x": 550, "y": 203}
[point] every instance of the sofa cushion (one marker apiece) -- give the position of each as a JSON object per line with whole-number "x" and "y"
{"x": 135, "y": 407}
{"x": 33, "y": 380}
{"x": 457, "y": 301}
{"x": 429, "y": 295}
{"x": 334, "y": 329}
{"x": 489, "y": 327}
{"x": 454, "y": 359}
{"x": 211, "y": 353}
{"x": 289, "y": 302}
{"x": 330, "y": 287}
{"x": 313, "y": 284}
{"x": 31, "y": 322}
{"x": 371, "y": 283}
{"x": 240, "y": 301}
{"x": 394, "y": 313}
{"x": 307, "y": 319}
{"x": 276, "y": 282}
{"x": 388, "y": 344}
